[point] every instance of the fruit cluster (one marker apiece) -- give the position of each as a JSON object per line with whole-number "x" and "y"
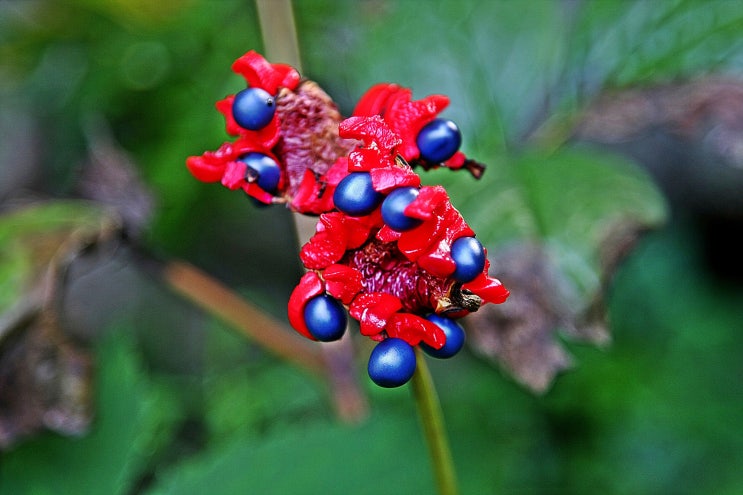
{"x": 395, "y": 255}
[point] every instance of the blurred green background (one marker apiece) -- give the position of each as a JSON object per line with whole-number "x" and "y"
{"x": 185, "y": 405}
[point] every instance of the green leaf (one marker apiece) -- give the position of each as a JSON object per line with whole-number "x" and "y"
{"x": 31, "y": 237}
{"x": 555, "y": 225}
{"x": 646, "y": 41}
{"x": 569, "y": 201}
{"x": 384, "y": 455}
{"x": 133, "y": 418}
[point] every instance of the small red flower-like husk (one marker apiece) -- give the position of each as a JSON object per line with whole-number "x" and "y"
{"x": 211, "y": 166}
{"x": 260, "y": 73}
{"x": 429, "y": 244}
{"x": 315, "y": 193}
{"x": 487, "y": 288}
{"x": 374, "y": 101}
{"x": 335, "y": 234}
{"x": 388, "y": 279}
{"x": 303, "y": 134}
{"x": 267, "y": 136}
{"x": 342, "y": 282}
{"x": 414, "y": 329}
{"x": 372, "y": 130}
{"x": 405, "y": 117}
{"x": 309, "y": 286}
{"x": 379, "y": 317}
{"x": 372, "y": 310}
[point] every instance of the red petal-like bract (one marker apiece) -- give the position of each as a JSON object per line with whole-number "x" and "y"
{"x": 372, "y": 310}
{"x": 489, "y": 289}
{"x": 310, "y": 285}
{"x": 373, "y": 132}
{"x": 374, "y": 101}
{"x": 260, "y": 73}
{"x": 343, "y": 282}
{"x": 413, "y": 329}
{"x": 406, "y": 118}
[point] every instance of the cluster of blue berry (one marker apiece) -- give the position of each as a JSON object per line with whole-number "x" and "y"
{"x": 391, "y": 253}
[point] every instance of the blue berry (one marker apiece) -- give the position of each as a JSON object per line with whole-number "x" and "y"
{"x": 325, "y": 318}
{"x": 469, "y": 256}
{"x": 393, "y": 209}
{"x": 391, "y": 363}
{"x": 439, "y": 140}
{"x": 454, "y": 337}
{"x": 253, "y": 108}
{"x": 355, "y": 195}
{"x": 264, "y": 170}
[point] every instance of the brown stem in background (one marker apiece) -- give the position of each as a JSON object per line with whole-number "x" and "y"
{"x": 253, "y": 322}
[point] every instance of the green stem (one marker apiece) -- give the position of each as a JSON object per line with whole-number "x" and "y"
{"x": 432, "y": 419}
{"x": 276, "y": 19}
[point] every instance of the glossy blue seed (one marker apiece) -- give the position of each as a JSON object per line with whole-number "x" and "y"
{"x": 253, "y": 108}
{"x": 355, "y": 195}
{"x": 391, "y": 363}
{"x": 469, "y": 256}
{"x": 325, "y": 318}
{"x": 262, "y": 169}
{"x": 393, "y": 209}
{"x": 439, "y": 140}
{"x": 454, "y": 337}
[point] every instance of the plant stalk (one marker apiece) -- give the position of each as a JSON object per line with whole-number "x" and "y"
{"x": 251, "y": 321}
{"x": 276, "y": 19}
{"x": 432, "y": 421}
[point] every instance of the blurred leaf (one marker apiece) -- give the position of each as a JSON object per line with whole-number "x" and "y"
{"x": 32, "y": 237}
{"x": 247, "y": 393}
{"x": 45, "y": 380}
{"x": 112, "y": 178}
{"x": 44, "y": 375}
{"x": 660, "y": 405}
{"x": 627, "y": 42}
{"x": 318, "y": 457}
{"x": 557, "y": 225}
{"x": 688, "y": 135}
{"x": 133, "y": 417}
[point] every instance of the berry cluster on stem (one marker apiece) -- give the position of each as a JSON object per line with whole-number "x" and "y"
{"x": 394, "y": 255}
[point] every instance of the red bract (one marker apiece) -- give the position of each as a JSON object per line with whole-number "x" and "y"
{"x": 372, "y": 310}
{"x": 310, "y": 285}
{"x": 343, "y": 282}
{"x": 373, "y": 131}
{"x": 315, "y": 192}
{"x": 266, "y": 137}
{"x": 413, "y": 329}
{"x": 224, "y": 166}
{"x": 406, "y": 117}
{"x": 259, "y": 73}
{"x": 336, "y": 233}
{"x": 488, "y": 289}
